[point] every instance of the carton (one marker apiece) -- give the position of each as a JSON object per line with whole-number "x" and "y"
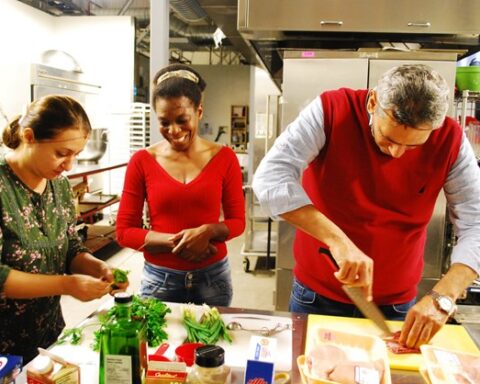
{"x": 165, "y": 372}
{"x": 356, "y": 347}
{"x": 444, "y": 366}
{"x": 47, "y": 368}
{"x": 10, "y": 367}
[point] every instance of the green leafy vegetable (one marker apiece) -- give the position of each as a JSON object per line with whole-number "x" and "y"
{"x": 150, "y": 309}
{"x": 209, "y": 330}
{"x": 71, "y": 335}
{"x": 120, "y": 276}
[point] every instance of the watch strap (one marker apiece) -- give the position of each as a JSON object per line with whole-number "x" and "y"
{"x": 437, "y": 296}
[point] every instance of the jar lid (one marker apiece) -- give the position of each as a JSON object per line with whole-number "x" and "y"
{"x": 42, "y": 364}
{"x": 123, "y": 297}
{"x": 209, "y": 356}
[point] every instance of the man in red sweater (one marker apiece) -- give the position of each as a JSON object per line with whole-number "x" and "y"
{"x": 373, "y": 164}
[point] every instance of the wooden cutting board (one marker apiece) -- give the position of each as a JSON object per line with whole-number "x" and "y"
{"x": 453, "y": 337}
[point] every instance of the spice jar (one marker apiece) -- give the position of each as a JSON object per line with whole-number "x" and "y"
{"x": 209, "y": 366}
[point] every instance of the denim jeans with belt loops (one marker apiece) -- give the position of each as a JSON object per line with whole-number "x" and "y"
{"x": 211, "y": 285}
{"x": 304, "y": 300}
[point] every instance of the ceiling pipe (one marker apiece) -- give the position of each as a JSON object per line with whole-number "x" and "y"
{"x": 188, "y": 10}
{"x": 185, "y": 30}
{"x": 125, "y": 7}
{"x": 142, "y": 14}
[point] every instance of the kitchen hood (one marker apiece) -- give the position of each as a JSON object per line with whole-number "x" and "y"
{"x": 270, "y": 27}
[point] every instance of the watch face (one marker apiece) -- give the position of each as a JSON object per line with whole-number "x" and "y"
{"x": 445, "y": 304}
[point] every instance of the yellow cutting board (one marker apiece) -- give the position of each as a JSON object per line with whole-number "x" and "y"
{"x": 453, "y": 337}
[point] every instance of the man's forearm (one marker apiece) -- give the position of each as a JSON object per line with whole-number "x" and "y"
{"x": 310, "y": 220}
{"x": 455, "y": 281}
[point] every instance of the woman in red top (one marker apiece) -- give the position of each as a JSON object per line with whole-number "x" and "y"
{"x": 193, "y": 190}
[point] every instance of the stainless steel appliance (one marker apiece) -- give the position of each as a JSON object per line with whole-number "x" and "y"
{"x": 270, "y": 28}
{"x": 308, "y": 73}
{"x": 47, "y": 80}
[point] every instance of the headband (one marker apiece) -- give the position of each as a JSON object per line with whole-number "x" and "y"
{"x": 182, "y": 73}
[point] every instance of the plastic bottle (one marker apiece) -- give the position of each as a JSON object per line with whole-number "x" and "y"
{"x": 209, "y": 366}
{"x": 123, "y": 348}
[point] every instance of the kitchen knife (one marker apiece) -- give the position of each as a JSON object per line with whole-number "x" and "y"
{"x": 368, "y": 308}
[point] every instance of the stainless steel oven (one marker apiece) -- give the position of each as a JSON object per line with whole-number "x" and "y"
{"x": 46, "y": 80}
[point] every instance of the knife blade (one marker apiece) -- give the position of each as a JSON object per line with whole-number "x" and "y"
{"x": 368, "y": 308}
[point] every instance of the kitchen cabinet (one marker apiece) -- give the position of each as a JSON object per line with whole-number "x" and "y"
{"x": 239, "y": 127}
{"x": 96, "y": 236}
{"x": 257, "y": 17}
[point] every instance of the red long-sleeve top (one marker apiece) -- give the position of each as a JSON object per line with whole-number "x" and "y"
{"x": 174, "y": 206}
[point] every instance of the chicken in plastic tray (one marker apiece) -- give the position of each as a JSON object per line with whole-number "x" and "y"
{"x": 443, "y": 366}
{"x": 344, "y": 358}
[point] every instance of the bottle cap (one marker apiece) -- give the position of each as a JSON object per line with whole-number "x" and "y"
{"x": 209, "y": 356}
{"x": 42, "y": 364}
{"x": 123, "y": 297}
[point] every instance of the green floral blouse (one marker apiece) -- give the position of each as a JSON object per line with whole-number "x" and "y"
{"x": 37, "y": 235}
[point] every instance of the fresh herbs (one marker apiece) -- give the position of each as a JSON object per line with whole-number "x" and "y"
{"x": 71, "y": 335}
{"x": 209, "y": 330}
{"x": 150, "y": 309}
{"x": 154, "y": 312}
{"x": 119, "y": 277}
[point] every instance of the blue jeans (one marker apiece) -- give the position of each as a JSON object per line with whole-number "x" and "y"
{"x": 211, "y": 285}
{"x": 304, "y": 300}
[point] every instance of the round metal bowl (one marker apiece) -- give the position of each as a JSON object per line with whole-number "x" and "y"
{"x": 95, "y": 148}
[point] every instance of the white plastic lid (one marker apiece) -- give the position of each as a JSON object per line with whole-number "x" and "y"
{"x": 42, "y": 364}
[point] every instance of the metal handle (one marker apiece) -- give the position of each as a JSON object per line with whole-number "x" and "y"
{"x": 421, "y": 25}
{"x": 331, "y": 22}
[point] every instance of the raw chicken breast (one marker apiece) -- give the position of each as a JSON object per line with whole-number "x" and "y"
{"x": 323, "y": 358}
{"x": 352, "y": 372}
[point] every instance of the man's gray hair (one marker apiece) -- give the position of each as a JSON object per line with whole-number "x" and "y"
{"x": 415, "y": 93}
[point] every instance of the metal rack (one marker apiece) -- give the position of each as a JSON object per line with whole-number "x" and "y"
{"x": 139, "y": 126}
{"x": 466, "y": 106}
{"x": 259, "y": 242}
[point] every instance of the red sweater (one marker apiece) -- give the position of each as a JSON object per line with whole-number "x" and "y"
{"x": 174, "y": 206}
{"x": 383, "y": 204}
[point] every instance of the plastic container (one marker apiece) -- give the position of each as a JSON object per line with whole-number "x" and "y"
{"x": 186, "y": 353}
{"x": 468, "y": 78}
{"x": 363, "y": 349}
{"x": 444, "y": 366}
{"x": 209, "y": 366}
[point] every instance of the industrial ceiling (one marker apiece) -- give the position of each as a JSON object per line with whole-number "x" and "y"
{"x": 192, "y": 24}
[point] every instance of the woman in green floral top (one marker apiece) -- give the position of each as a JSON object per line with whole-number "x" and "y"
{"x": 42, "y": 256}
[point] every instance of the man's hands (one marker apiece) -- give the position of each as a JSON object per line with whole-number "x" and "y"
{"x": 355, "y": 268}
{"x": 423, "y": 321}
{"x": 194, "y": 244}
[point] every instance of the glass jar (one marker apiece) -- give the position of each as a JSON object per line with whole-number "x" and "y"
{"x": 209, "y": 366}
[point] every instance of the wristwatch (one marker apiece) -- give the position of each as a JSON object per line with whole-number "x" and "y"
{"x": 443, "y": 303}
